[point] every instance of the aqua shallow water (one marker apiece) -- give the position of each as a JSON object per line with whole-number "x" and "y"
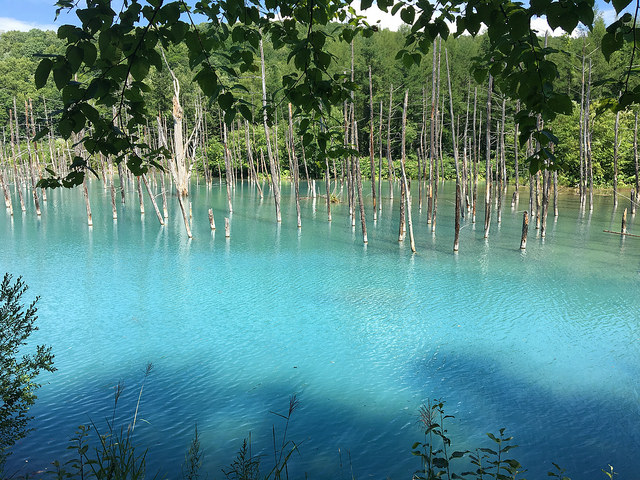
{"x": 545, "y": 342}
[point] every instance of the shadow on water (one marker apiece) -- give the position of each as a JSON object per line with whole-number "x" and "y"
{"x": 567, "y": 429}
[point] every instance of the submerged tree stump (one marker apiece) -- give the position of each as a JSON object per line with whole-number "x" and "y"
{"x": 456, "y": 241}
{"x": 212, "y": 222}
{"x": 227, "y": 228}
{"x": 525, "y": 229}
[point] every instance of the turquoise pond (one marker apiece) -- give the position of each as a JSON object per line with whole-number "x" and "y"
{"x": 545, "y": 343}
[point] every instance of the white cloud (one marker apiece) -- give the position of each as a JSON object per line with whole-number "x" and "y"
{"x": 609, "y": 16}
{"x": 375, "y": 16}
{"x": 7, "y": 24}
{"x": 540, "y": 25}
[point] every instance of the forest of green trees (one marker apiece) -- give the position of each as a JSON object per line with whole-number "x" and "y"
{"x": 20, "y": 53}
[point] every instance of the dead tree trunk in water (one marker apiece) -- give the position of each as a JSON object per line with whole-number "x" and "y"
{"x": 181, "y": 173}
{"x": 455, "y": 156}
{"x": 582, "y": 146}
{"x": 328, "y": 184}
{"x": 475, "y": 146}
{"x": 389, "y": 161}
{"x": 274, "y": 176}
{"x": 380, "y": 161}
{"x": 296, "y": 173}
{"x": 635, "y": 152}
{"x": 516, "y": 193}
{"x": 587, "y": 136}
{"x": 404, "y": 173}
{"x": 371, "y": 148}
{"x": 227, "y": 164}
{"x": 140, "y": 198}
{"x": 456, "y": 239}
{"x": 525, "y": 229}
{"x": 487, "y": 200}
{"x": 432, "y": 137}
{"x": 87, "y": 203}
{"x": 153, "y": 199}
{"x": 615, "y": 160}
{"x": 16, "y": 176}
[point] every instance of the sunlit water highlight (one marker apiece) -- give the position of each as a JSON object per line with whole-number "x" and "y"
{"x": 543, "y": 342}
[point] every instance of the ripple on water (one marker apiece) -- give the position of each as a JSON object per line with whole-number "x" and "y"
{"x": 542, "y": 342}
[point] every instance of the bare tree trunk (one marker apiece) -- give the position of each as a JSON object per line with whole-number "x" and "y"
{"x": 184, "y": 216}
{"x": 404, "y": 174}
{"x": 228, "y": 167}
{"x": 389, "y": 161}
{"x": 475, "y": 146}
{"x": 372, "y": 149}
{"x": 153, "y": 199}
{"x": 87, "y": 203}
{"x": 274, "y": 176}
{"x": 212, "y": 221}
{"x": 501, "y": 163}
{"x": 615, "y": 160}
{"x": 139, "y": 188}
{"x": 456, "y": 239}
{"x": 120, "y": 176}
{"x": 355, "y": 162}
{"x": 296, "y": 173}
{"x": 432, "y": 137}
{"x": 380, "y": 161}
{"x": 455, "y": 156}
{"x": 555, "y": 193}
{"x": 582, "y": 142}
{"x": 635, "y": 152}
{"x": 165, "y": 210}
{"x": 328, "y": 184}
{"x": 29, "y": 167}
{"x": 525, "y": 229}
{"x": 487, "y": 202}
{"x": 516, "y": 193}
{"x": 178, "y": 164}
{"x": 114, "y": 210}
{"x": 7, "y": 196}
{"x": 588, "y": 140}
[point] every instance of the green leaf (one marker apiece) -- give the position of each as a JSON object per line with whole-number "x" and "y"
{"x": 40, "y": 134}
{"x": 408, "y": 14}
{"x": 225, "y": 101}
{"x": 561, "y": 104}
{"x": 75, "y": 55}
{"x": 42, "y": 72}
{"x": 610, "y": 43}
{"x": 139, "y": 68}
{"x": 365, "y": 4}
{"x": 208, "y": 81}
{"x": 62, "y": 74}
{"x": 620, "y": 5}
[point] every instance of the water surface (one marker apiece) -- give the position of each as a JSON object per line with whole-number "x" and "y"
{"x": 544, "y": 342}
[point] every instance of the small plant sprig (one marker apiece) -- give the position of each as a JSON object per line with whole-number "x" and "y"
{"x": 433, "y": 452}
{"x": 116, "y": 456}
{"x": 499, "y": 467}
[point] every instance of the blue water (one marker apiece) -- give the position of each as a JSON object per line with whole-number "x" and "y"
{"x": 543, "y": 342}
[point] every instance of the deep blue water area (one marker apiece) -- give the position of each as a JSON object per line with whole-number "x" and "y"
{"x": 544, "y": 342}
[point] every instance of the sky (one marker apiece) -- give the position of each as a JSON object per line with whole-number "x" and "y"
{"x": 27, "y": 14}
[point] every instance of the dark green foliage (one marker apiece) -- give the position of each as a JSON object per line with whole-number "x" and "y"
{"x": 18, "y": 371}
{"x": 117, "y": 73}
